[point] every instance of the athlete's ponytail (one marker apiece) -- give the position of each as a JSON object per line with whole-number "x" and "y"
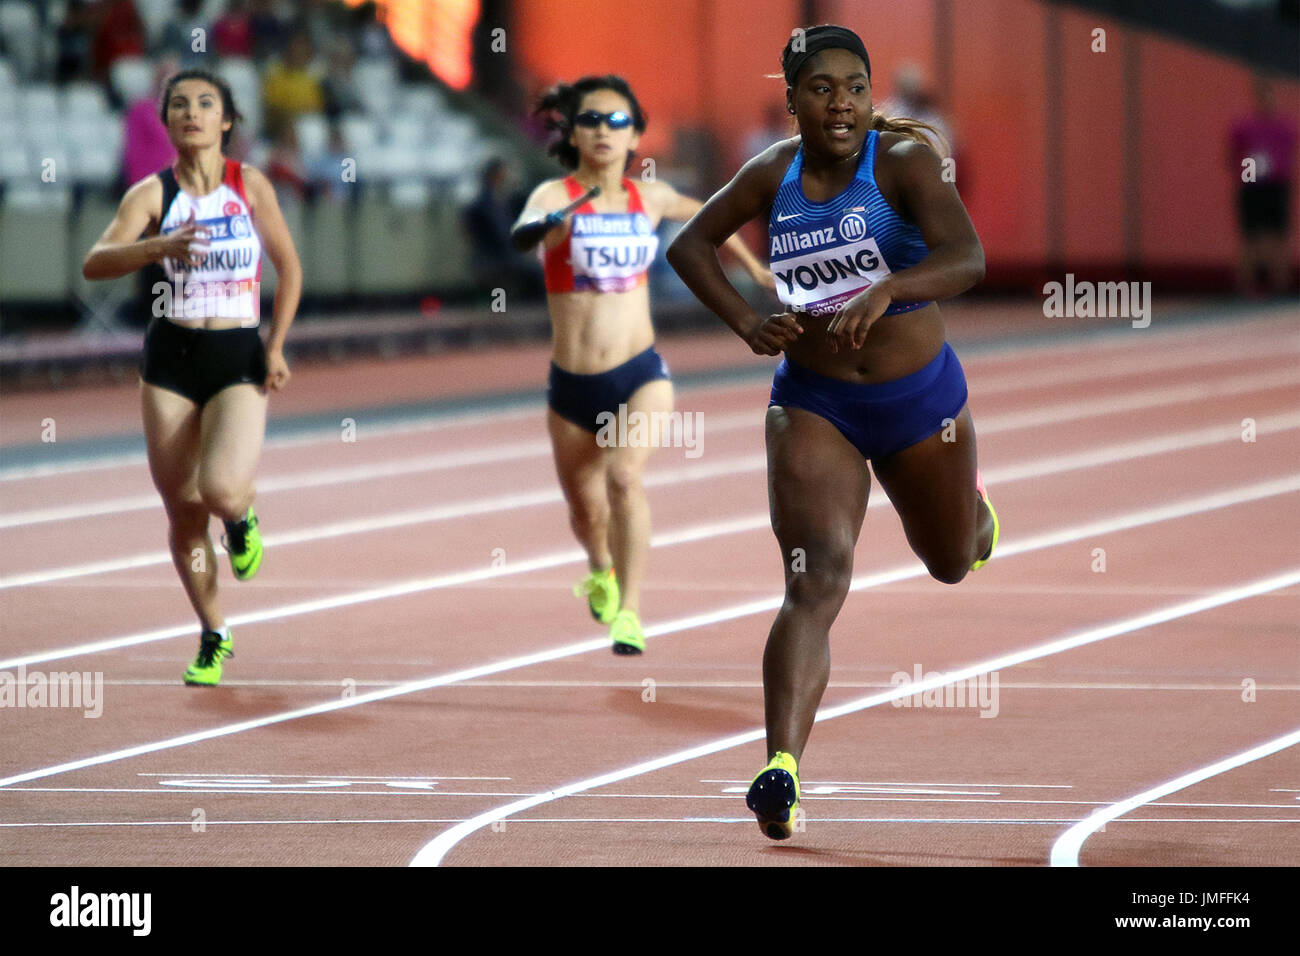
{"x": 912, "y": 129}
{"x": 559, "y": 107}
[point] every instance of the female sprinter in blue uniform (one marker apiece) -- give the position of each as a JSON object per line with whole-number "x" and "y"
{"x": 205, "y": 372}
{"x": 865, "y": 235}
{"x": 603, "y": 357}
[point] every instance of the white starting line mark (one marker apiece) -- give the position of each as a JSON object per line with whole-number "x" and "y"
{"x": 433, "y": 852}
{"x": 1065, "y": 851}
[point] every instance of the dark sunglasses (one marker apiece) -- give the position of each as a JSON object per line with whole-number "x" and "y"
{"x": 615, "y": 120}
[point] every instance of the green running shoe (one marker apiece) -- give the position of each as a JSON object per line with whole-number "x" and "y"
{"x": 600, "y": 588}
{"x": 984, "y": 497}
{"x": 243, "y": 542}
{"x": 774, "y": 797}
{"x": 206, "y": 669}
{"x": 626, "y": 633}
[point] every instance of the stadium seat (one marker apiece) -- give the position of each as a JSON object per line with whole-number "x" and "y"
{"x": 376, "y": 84}
{"x": 92, "y": 165}
{"x": 14, "y": 163}
{"x": 132, "y": 78}
{"x": 359, "y": 132}
{"x": 313, "y": 136}
{"x": 84, "y": 99}
{"x": 21, "y": 31}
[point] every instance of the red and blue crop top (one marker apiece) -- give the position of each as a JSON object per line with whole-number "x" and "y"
{"x": 604, "y": 251}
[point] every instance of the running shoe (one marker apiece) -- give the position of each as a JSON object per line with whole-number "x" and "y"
{"x": 626, "y": 633}
{"x": 243, "y": 542}
{"x": 600, "y": 588}
{"x": 774, "y": 797}
{"x": 206, "y": 669}
{"x": 984, "y": 497}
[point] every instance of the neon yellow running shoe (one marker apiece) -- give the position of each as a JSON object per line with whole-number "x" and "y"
{"x": 243, "y": 542}
{"x": 774, "y": 797}
{"x": 600, "y": 588}
{"x": 206, "y": 669}
{"x": 626, "y": 633}
{"x": 984, "y": 496}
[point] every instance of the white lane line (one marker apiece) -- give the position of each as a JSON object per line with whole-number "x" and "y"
{"x": 726, "y": 467}
{"x": 1045, "y": 540}
{"x": 1214, "y": 351}
{"x": 713, "y": 425}
{"x": 434, "y": 851}
{"x": 1185, "y": 508}
{"x": 693, "y": 685}
{"x": 960, "y": 821}
{"x": 822, "y": 798}
{"x": 208, "y": 774}
{"x": 1065, "y": 851}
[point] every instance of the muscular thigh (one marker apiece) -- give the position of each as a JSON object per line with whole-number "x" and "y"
{"x": 818, "y": 485}
{"x": 579, "y": 461}
{"x": 233, "y": 426}
{"x": 652, "y": 402}
{"x": 932, "y": 484}
{"x": 171, "y": 431}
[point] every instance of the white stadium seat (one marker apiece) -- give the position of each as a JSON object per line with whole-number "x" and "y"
{"x": 359, "y": 132}
{"x": 14, "y": 163}
{"x": 313, "y": 135}
{"x": 376, "y": 85}
{"x": 84, "y": 99}
{"x": 132, "y": 77}
{"x": 21, "y": 31}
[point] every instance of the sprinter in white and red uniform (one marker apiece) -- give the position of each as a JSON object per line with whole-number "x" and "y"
{"x": 205, "y": 372}
{"x": 603, "y": 357}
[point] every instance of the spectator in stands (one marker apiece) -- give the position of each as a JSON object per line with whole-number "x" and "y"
{"x": 146, "y": 147}
{"x": 488, "y": 221}
{"x": 74, "y": 38}
{"x": 912, "y": 97}
{"x": 776, "y": 126}
{"x": 370, "y": 35}
{"x": 120, "y": 34}
{"x": 338, "y": 84}
{"x": 1268, "y": 140}
{"x": 291, "y": 87}
{"x": 178, "y": 36}
{"x": 284, "y": 167}
{"x": 270, "y": 32}
{"x": 325, "y": 171}
{"x": 232, "y": 34}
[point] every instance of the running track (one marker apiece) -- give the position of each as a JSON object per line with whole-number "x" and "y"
{"x": 414, "y": 682}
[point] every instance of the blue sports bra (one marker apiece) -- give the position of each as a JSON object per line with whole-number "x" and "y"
{"x": 824, "y": 253}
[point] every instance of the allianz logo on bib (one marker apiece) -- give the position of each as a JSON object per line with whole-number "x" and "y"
{"x": 224, "y": 227}
{"x": 805, "y": 280}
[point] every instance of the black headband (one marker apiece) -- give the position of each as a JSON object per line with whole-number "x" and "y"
{"x": 816, "y": 39}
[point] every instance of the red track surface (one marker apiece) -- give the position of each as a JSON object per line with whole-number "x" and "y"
{"x": 373, "y": 783}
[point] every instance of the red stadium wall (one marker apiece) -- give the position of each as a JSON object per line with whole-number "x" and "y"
{"x": 703, "y": 63}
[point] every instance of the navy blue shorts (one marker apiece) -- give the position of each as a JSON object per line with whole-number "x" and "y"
{"x": 882, "y": 419}
{"x": 198, "y": 363}
{"x": 580, "y": 398}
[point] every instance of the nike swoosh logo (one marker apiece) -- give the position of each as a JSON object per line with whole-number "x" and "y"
{"x": 793, "y": 215}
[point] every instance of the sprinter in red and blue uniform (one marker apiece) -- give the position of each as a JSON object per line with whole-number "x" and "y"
{"x": 603, "y": 359}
